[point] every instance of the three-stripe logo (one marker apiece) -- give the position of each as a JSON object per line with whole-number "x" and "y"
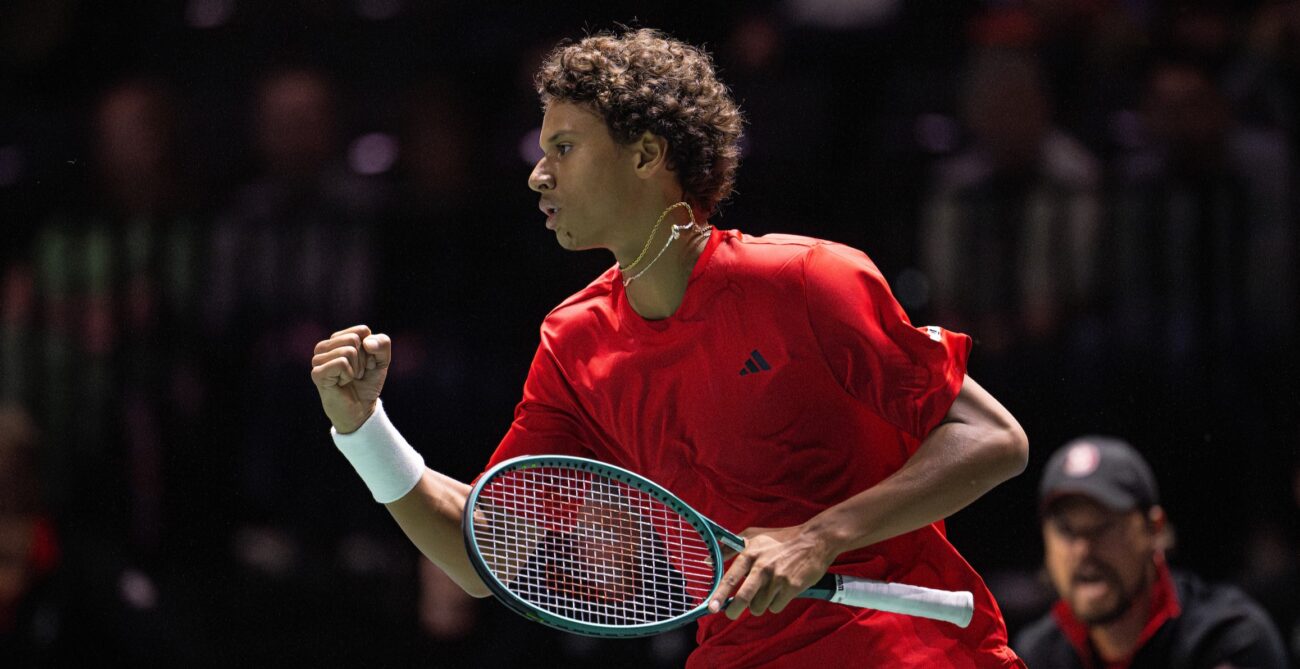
{"x": 755, "y": 364}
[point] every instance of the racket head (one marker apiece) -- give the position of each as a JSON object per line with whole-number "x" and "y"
{"x": 590, "y": 548}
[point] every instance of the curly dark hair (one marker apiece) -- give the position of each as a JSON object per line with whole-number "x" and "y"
{"x": 645, "y": 80}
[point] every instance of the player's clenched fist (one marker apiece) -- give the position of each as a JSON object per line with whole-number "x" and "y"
{"x": 349, "y": 370}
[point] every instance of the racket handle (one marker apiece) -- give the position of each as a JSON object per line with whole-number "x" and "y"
{"x": 953, "y": 607}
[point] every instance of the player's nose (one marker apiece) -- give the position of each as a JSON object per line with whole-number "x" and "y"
{"x": 541, "y": 179}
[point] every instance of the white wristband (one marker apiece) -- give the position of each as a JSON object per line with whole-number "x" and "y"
{"x": 387, "y": 464}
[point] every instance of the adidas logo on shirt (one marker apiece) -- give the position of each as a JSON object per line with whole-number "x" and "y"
{"x": 755, "y": 364}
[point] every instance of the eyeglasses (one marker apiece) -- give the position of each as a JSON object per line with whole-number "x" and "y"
{"x": 1107, "y": 528}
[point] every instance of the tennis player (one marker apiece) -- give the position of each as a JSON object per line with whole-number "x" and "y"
{"x": 774, "y": 383}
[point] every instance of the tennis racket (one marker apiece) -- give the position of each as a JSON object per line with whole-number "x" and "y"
{"x": 594, "y": 549}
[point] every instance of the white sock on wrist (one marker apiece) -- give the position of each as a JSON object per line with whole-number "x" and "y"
{"x": 384, "y": 460}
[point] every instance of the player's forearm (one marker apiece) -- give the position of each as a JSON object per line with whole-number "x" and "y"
{"x": 953, "y": 468}
{"x": 430, "y": 515}
{"x": 427, "y": 505}
{"x": 979, "y": 446}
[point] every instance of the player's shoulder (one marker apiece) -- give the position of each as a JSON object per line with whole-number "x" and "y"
{"x": 586, "y": 304}
{"x": 770, "y": 248}
{"x": 769, "y": 255}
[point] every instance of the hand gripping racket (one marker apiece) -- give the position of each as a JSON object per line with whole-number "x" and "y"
{"x": 595, "y": 549}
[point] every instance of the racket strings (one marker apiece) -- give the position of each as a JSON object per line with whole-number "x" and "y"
{"x": 591, "y": 549}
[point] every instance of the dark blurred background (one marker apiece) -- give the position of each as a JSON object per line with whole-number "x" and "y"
{"x": 193, "y": 192}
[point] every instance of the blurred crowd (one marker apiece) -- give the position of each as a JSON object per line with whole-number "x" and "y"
{"x": 1103, "y": 193}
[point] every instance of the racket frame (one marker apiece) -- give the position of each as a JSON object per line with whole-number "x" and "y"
{"x": 713, "y": 535}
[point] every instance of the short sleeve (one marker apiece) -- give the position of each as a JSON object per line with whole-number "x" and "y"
{"x": 547, "y": 420}
{"x": 909, "y": 376}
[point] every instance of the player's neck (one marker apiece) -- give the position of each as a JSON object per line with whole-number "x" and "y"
{"x": 659, "y": 291}
{"x": 1118, "y": 639}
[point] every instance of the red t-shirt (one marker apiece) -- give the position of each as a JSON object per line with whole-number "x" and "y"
{"x": 788, "y": 380}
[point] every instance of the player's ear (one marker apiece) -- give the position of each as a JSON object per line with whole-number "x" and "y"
{"x": 651, "y": 153}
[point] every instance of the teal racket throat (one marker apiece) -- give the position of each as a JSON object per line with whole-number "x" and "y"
{"x": 595, "y": 549}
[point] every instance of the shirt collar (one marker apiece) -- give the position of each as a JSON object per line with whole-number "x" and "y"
{"x": 1164, "y": 607}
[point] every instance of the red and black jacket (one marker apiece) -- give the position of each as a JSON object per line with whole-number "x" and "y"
{"x": 1192, "y": 625}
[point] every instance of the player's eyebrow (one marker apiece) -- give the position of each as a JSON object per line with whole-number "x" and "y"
{"x": 560, "y": 133}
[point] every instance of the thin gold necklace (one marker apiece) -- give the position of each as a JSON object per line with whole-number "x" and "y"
{"x": 677, "y": 231}
{"x": 650, "y": 238}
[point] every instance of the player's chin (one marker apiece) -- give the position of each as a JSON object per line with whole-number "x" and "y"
{"x": 572, "y": 242}
{"x": 567, "y": 241}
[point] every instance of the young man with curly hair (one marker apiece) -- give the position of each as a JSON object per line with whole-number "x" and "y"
{"x": 772, "y": 382}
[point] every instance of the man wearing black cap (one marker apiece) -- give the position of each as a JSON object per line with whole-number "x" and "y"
{"x": 1120, "y": 606}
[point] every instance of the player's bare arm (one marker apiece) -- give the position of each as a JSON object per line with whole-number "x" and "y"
{"x": 349, "y": 370}
{"x": 977, "y": 446}
{"x": 430, "y": 515}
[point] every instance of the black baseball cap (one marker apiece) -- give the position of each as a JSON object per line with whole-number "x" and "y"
{"x": 1105, "y": 469}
